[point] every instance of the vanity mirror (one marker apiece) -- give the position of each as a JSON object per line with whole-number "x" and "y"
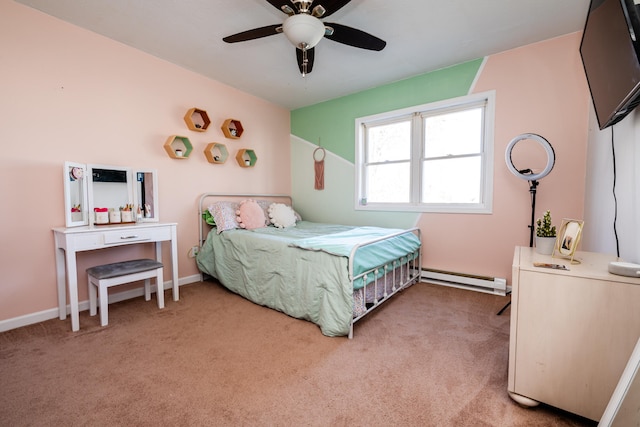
{"x": 110, "y": 189}
{"x": 109, "y": 195}
{"x": 624, "y": 407}
{"x": 146, "y": 195}
{"x": 74, "y": 176}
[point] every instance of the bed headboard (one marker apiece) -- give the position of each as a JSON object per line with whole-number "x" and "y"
{"x": 207, "y": 198}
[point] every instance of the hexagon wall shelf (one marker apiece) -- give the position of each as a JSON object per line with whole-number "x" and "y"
{"x": 232, "y": 128}
{"x": 246, "y": 158}
{"x": 178, "y": 147}
{"x": 197, "y": 120}
{"x": 216, "y": 153}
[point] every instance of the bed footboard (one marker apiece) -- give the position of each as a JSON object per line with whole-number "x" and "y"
{"x": 378, "y": 284}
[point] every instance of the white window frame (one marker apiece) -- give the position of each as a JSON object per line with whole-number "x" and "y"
{"x": 485, "y": 206}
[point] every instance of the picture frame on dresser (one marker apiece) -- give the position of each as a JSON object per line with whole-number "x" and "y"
{"x": 569, "y": 236}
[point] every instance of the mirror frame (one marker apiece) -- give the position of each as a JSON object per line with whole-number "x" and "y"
{"x": 68, "y": 217}
{"x": 136, "y": 194}
{"x": 623, "y": 407}
{"x": 88, "y": 196}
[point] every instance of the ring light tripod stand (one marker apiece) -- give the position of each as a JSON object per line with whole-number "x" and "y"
{"x": 530, "y": 176}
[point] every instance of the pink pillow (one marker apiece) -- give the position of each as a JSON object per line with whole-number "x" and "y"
{"x": 250, "y": 215}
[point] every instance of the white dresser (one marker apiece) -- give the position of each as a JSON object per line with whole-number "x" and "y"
{"x": 70, "y": 241}
{"x": 572, "y": 332}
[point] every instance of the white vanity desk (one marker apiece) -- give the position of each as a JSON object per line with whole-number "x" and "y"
{"x": 71, "y": 240}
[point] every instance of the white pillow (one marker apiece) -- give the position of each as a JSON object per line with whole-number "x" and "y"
{"x": 282, "y": 215}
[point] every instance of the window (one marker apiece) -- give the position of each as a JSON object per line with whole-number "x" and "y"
{"x": 432, "y": 158}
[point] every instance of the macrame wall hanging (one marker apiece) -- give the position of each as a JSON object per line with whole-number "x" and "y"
{"x": 318, "y": 166}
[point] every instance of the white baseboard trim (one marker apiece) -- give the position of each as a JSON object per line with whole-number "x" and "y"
{"x": 52, "y": 313}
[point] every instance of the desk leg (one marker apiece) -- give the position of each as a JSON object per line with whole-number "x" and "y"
{"x": 61, "y": 279}
{"x": 159, "y": 259}
{"x": 72, "y": 280}
{"x": 174, "y": 263}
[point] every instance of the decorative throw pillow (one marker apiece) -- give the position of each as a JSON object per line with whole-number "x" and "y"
{"x": 250, "y": 215}
{"x": 224, "y": 215}
{"x": 264, "y": 204}
{"x": 282, "y": 215}
{"x": 208, "y": 218}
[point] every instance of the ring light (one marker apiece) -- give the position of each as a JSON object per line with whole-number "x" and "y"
{"x": 528, "y": 175}
{"x": 551, "y": 158}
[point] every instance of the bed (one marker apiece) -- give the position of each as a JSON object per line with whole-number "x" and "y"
{"x": 332, "y": 275}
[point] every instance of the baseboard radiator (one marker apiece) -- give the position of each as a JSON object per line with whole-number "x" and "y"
{"x": 490, "y": 285}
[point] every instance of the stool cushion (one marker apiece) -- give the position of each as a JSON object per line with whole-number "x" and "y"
{"x": 116, "y": 269}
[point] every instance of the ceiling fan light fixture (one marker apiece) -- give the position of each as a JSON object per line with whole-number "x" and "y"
{"x": 303, "y": 31}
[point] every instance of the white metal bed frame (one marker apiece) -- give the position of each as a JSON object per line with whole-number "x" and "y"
{"x": 389, "y": 278}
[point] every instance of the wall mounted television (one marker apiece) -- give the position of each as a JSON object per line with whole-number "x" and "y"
{"x": 610, "y": 51}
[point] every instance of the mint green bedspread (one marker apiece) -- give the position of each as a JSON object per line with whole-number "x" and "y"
{"x": 369, "y": 256}
{"x": 263, "y": 266}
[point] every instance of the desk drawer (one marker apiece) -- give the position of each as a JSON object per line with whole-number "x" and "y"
{"x": 126, "y": 236}
{"x": 132, "y": 235}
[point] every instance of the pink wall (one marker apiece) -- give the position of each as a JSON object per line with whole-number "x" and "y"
{"x": 540, "y": 88}
{"x": 69, "y": 94}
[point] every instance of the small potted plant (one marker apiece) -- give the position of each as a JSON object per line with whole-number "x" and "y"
{"x": 545, "y": 234}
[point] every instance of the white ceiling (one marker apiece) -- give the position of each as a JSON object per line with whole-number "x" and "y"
{"x": 421, "y": 36}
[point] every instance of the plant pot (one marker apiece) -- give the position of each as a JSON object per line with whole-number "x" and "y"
{"x": 544, "y": 245}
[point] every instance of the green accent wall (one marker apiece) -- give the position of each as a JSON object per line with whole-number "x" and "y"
{"x": 333, "y": 122}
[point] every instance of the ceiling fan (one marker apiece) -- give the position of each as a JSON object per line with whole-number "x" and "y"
{"x": 304, "y": 29}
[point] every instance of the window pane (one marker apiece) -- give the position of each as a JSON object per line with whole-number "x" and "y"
{"x": 389, "y": 142}
{"x": 452, "y": 180}
{"x": 388, "y": 183}
{"x": 455, "y": 133}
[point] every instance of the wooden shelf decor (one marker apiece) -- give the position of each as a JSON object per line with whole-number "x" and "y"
{"x": 178, "y": 147}
{"x": 216, "y": 153}
{"x": 197, "y": 120}
{"x": 232, "y": 128}
{"x": 246, "y": 158}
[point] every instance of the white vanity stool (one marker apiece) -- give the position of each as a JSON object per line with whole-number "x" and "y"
{"x": 102, "y": 277}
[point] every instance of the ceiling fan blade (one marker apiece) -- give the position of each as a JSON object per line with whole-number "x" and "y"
{"x": 301, "y": 59}
{"x": 256, "y": 33}
{"x": 353, "y": 37}
{"x": 333, "y": 6}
